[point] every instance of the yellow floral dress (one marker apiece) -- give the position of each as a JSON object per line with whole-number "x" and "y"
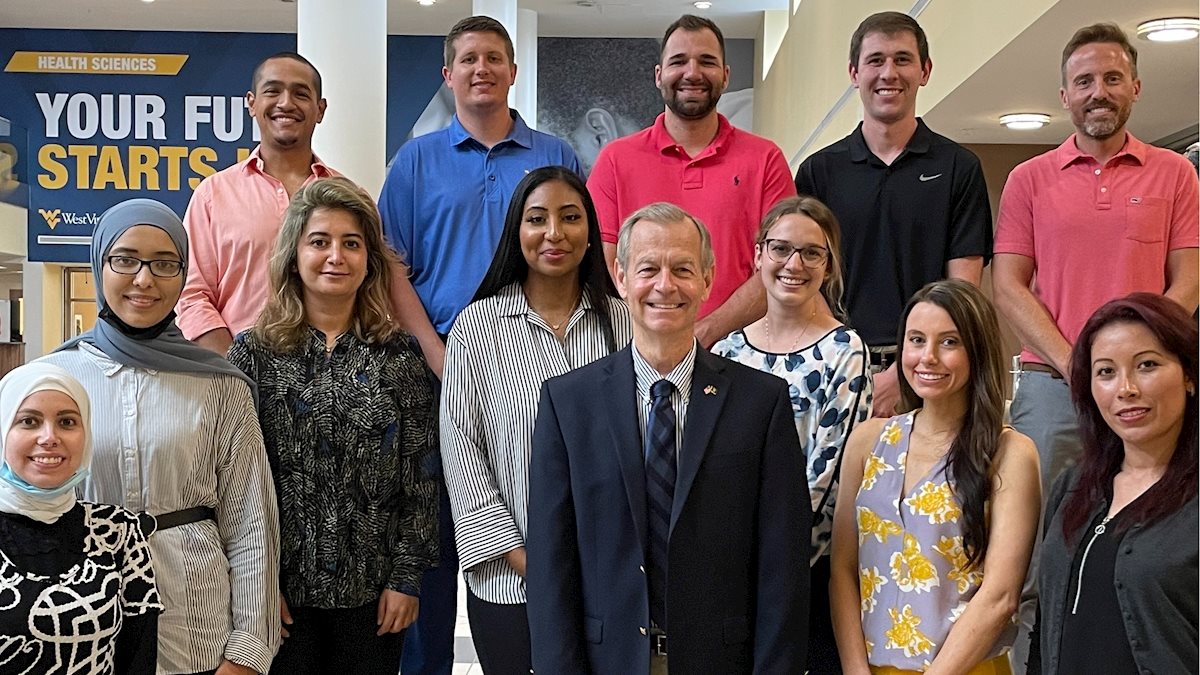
{"x": 913, "y": 578}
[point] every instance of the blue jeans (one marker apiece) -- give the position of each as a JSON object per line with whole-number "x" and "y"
{"x": 1042, "y": 410}
{"x": 429, "y": 641}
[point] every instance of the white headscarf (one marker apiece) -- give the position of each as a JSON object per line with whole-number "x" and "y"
{"x": 16, "y": 495}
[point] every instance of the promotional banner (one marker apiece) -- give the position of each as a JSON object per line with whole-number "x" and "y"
{"x": 113, "y": 115}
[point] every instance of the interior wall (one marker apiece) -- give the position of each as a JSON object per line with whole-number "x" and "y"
{"x": 805, "y": 101}
{"x": 997, "y": 162}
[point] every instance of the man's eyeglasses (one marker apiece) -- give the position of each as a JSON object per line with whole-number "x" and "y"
{"x": 165, "y": 269}
{"x": 781, "y": 251}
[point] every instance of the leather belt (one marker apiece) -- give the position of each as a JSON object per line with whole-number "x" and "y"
{"x": 1041, "y": 368}
{"x": 882, "y": 357}
{"x": 151, "y": 523}
{"x": 658, "y": 644}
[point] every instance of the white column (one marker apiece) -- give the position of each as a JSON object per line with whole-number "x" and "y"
{"x": 523, "y": 96}
{"x": 347, "y": 41}
{"x": 527, "y": 56}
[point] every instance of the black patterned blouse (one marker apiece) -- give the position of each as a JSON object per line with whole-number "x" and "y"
{"x": 347, "y": 434}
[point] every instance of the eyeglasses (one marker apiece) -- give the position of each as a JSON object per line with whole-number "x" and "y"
{"x": 164, "y": 269}
{"x": 781, "y": 251}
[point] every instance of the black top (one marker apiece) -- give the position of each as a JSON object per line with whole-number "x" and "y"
{"x": 1093, "y": 633}
{"x": 347, "y": 434}
{"x": 45, "y": 565}
{"x": 1154, "y": 576}
{"x": 900, "y": 223}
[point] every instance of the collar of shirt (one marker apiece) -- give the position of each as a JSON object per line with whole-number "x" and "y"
{"x": 106, "y": 365}
{"x": 918, "y": 144}
{"x": 1068, "y": 153}
{"x": 681, "y": 375}
{"x": 254, "y": 164}
{"x": 511, "y": 301}
{"x": 662, "y": 141}
{"x": 519, "y": 134}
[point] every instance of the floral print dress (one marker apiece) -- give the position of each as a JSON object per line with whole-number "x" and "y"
{"x": 913, "y": 577}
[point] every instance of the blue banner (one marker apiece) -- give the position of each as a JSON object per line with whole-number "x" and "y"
{"x": 112, "y": 115}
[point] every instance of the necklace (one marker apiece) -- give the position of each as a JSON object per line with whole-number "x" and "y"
{"x": 796, "y": 342}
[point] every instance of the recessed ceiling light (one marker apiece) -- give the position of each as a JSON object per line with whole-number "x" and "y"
{"x": 147, "y": 1}
{"x": 426, "y": 3}
{"x": 1024, "y": 121}
{"x": 1169, "y": 30}
{"x": 702, "y": 4}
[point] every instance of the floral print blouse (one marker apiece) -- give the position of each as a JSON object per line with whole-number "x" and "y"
{"x": 913, "y": 577}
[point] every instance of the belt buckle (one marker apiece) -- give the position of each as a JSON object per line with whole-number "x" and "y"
{"x": 658, "y": 644}
{"x": 148, "y": 523}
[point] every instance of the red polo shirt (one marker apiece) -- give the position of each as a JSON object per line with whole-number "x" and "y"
{"x": 1097, "y": 233}
{"x": 729, "y": 187}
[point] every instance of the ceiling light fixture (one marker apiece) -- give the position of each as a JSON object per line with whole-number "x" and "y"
{"x": 702, "y": 4}
{"x": 1169, "y": 30}
{"x": 426, "y": 3}
{"x": 1024, "y": 121}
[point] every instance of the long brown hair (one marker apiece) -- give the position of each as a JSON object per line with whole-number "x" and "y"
{"x": 1103, "y": 450}
{"x": 974, "y": 446}
{"x": 283, "y": 326}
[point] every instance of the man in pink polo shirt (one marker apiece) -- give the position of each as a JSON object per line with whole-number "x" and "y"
{"x": 235, "y": 214}
{"x": 693, "y": 157}
{"x": 1099, "y": 217}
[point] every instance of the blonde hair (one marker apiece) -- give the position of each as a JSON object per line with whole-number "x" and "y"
{"x": 283, "y": 326}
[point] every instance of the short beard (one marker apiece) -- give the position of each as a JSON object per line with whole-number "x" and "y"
{"x": 1107, "y": 128}
{"x": 691, "y": 110}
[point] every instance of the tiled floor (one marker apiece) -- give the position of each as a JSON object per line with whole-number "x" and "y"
{"x": 464, "y": 651}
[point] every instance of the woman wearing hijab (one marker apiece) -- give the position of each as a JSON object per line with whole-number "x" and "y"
{"x": 76, "y": 585}
{"x": 177, "y": 437}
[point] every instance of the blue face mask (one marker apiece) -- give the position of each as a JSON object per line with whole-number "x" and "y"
{"x": 10, "y": 477}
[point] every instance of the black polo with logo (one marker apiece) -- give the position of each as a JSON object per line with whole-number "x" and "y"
{"x": 900, "y": 223}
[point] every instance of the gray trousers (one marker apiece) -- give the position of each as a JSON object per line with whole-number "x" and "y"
{"x": 1042, "y": 411}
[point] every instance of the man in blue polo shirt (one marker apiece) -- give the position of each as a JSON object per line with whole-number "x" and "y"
{"x": 443, "y": 205}
{"x": 912, "y": 204}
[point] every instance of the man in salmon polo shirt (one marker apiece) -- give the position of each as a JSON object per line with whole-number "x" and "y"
{"x": 693, "y": 157}
{"x": 1101, "y": 216}
{"x": 235, "y": 214}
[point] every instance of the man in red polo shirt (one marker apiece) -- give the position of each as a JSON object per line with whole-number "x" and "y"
{"x": 1099, "y": 217}
{"x": 693, "y": 157}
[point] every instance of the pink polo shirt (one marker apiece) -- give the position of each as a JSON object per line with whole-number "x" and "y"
{"x": 729, "y": 187}
{"x": 1097, "y": 233}
{"x": 231, "y": 223}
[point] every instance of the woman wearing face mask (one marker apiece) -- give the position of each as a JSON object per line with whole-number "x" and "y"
{"x": 1118, "y": 574}
{"x": 77, "y": 590}
{"x": 177, "y": 437}
{"x": 347, "y": 406}
{"x": 824, "y": 362}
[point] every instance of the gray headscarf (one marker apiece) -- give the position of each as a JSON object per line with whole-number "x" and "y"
{"x": 164, "y": 348}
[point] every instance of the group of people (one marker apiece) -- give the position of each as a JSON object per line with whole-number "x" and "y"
{"x": 688, "y": 415}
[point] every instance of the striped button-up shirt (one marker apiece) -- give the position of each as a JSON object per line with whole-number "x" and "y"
{"x": 497, "y": 357}
{"x": 167, "y": 441}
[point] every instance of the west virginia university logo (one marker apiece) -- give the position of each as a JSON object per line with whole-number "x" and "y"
{"x": 52, "y": 217}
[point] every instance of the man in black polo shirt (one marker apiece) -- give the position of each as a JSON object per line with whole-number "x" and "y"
{"x": 912, "y": 204}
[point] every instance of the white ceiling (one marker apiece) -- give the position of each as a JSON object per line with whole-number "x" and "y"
{"x": 1025, "y": 77}
{"x": 556, "y": 18}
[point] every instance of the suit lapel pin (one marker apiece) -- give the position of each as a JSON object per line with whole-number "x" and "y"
{"x": 710, "y": 390}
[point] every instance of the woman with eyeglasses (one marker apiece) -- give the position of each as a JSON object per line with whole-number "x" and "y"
{"x": 824, "y": 362}
{"x": 177, "y": 438}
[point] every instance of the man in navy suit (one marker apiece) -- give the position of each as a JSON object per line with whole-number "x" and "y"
{"x": 640, "y": 554}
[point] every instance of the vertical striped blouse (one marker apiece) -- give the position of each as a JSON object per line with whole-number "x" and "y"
{"x": 497, "y": 356}
{"x": 164, "y": 442}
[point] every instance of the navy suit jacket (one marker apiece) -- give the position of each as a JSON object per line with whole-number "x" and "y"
{"x": 738, "y": 573}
